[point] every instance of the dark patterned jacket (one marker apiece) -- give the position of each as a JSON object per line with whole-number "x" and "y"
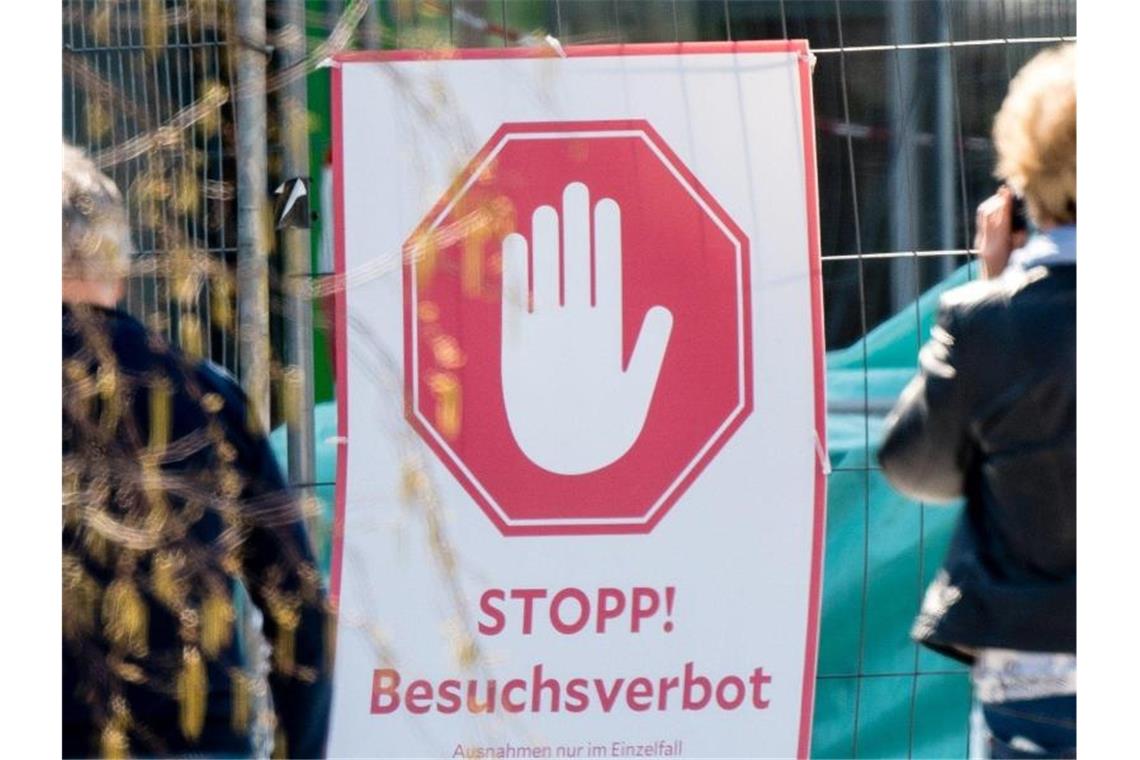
{"x": 172, "y": 502}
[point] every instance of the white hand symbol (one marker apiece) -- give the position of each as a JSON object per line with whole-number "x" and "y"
{"x": 571, "y": 406}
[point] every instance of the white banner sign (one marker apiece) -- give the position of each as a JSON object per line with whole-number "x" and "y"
{"x": 580, "y": 497}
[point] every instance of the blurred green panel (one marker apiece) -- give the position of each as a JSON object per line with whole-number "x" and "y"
{"x": 893, "y": 591}
{"x": 834, "y": 725}
{"x": 322, "y": 532}
{"x": 906, "y": 542}
{"x": 884, "y": 721}
{"x": 842, "y": 590}
{"x": 941, "y": 712}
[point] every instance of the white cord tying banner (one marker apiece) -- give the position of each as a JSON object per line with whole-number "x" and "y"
{"x": 555, "y": 45}
{"x": 821, "y": 454}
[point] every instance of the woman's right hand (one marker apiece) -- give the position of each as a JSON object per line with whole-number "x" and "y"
{"x": 994, "y": 237}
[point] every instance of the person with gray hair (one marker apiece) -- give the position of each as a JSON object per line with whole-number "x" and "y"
{"x": 171, "y": 499}
{"x": 96, "y": 234}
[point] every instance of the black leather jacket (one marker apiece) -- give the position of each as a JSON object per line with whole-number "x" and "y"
{"x": 992, "y": 417}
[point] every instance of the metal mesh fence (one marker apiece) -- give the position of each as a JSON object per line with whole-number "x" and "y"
{"x": 904, "y": 98}
{"x": 146, "y": 93}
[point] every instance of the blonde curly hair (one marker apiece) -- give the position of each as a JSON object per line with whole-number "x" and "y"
{"x": 1035, "y": 133}
{"x": 96, "y": 234}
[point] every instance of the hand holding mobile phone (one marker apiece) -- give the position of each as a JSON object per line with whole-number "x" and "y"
{"x": 1001, "y": 227}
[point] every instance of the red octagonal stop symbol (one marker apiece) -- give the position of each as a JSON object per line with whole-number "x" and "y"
{"x": 577, "y": 334}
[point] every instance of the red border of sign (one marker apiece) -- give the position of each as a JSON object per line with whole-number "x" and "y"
{"x": 814, "y": 267}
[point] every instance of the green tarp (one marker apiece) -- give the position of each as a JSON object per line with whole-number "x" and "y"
{"x": 877, "y": 695}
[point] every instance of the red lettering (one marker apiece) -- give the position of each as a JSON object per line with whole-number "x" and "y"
{"x": 513, "y": 685}
{"x": 725, "y": 703}
{"x": 608, "y": 700}
{"x": 599, "y": 610}
{"x": 666, "y": 685}
{"x": 556, "y": 619}
{"x": 541, "y": 694}
{"x": 473, "y": 705}
{"x": 380, "y": 690}
{"x": 758, "y": 679}
{"x": 576, "y": 690}
{"x": 646, "y": 601}
{"x": 498, "y": 619}
{"x": 528, "y": 595}
{"x": 538, "y": 685}
{"x": 687, "y": 701}
{"x": 449, "y": 700}
{"x": 639, "y": 689}
{"x": 607, "y": 611}
{"x": 419, "y": 697}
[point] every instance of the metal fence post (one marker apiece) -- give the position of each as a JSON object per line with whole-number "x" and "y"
{"x": 902, "y": 82}
{"x": 253, "y": 248}
{"x": 293, "y": 107}
{"x": 250, "y": 56}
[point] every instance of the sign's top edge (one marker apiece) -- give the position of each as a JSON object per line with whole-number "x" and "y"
{"x": 799, "y": 46}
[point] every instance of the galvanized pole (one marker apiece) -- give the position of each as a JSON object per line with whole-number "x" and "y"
{"x": 944, "y": 140}
{"x": 294, "y": 121}
{"x": 465, "y": 34}
{"x": 372, "y": 35}
{"x": 253, "y": 243}
{"x": 251, "y": 54}
{"x": 901, "y": 79}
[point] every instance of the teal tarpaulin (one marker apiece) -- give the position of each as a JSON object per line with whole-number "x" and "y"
{"x": 877, "y": 694}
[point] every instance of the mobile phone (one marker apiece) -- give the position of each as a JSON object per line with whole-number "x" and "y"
{"x": 1020, "y": 219}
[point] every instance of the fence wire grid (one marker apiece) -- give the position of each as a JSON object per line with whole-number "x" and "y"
{"x": 905, "y": 93}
